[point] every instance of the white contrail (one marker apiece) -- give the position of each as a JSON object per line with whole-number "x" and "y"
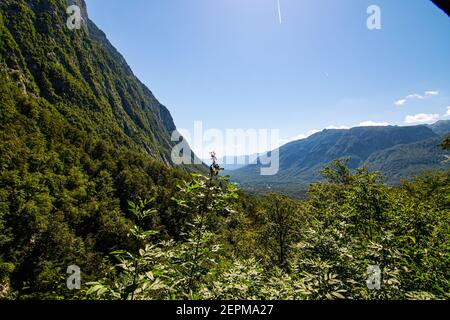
{"x": 279, "y": 11}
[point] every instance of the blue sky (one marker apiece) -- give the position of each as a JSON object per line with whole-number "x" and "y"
{"x": 231, "y": 64}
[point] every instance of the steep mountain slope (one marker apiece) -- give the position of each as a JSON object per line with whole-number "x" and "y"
{"x": 301, "y": 161}
{"x": 80, "y": 136}
{"x": 408, "y": 159}
{"x": 441, "y": 127}
{"x": 81, "y": 74}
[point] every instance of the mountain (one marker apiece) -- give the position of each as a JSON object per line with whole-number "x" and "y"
{"x": 442, "y": 127}
{"x": 405, "y": 160}
{"x": 81, "y": 75}
{"x": 395, "y": 151}
{"x": 80, "y": 136}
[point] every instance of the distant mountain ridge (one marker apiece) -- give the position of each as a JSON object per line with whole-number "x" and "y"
{"x": 441, "y": 127}
{"x": 398, "y": 152}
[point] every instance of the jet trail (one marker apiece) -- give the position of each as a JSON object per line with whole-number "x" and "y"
{"x": 279, "y": 11}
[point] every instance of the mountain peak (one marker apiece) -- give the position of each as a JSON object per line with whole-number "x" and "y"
{"x": 440, "y": 127}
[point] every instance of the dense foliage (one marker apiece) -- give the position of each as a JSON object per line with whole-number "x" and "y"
{"x": 63, "y": 192}
{"x": 320, "y": 248}
{"x": 86, "y": 180}
{"x": 79, "y": 137}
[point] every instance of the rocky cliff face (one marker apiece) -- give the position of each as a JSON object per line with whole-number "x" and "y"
{"x": 81, "y": 72}
{"x": 80, "y": 136}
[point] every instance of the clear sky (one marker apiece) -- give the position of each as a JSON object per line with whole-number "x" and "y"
{"x": 231, "y": 64}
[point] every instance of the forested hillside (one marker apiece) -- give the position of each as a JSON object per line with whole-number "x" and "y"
{"x": 86, "y": 179}
{"x": 397, "y": 152}
{"x": 278, "y": 248}
{"x": 407, "y": 160}
{"x": 79, "y": 137}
